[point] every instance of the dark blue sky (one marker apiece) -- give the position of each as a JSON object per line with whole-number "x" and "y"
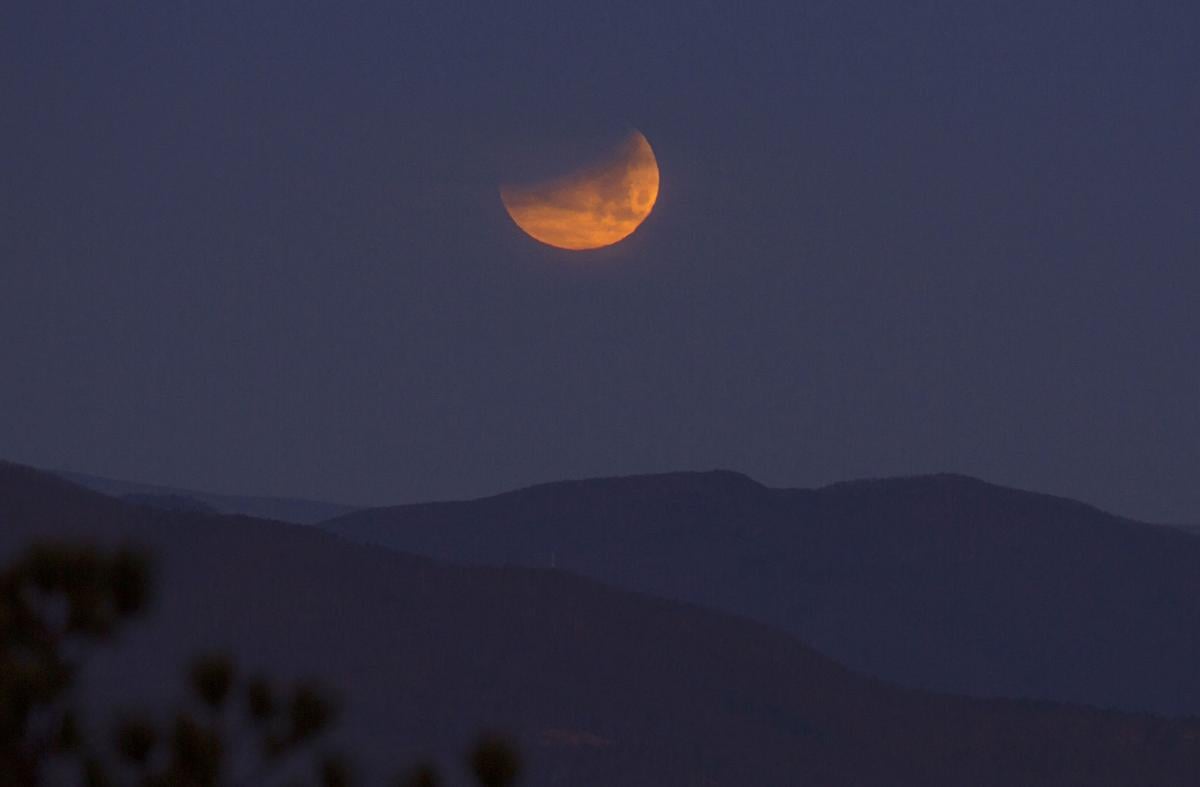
{"x": 258, "y": 247}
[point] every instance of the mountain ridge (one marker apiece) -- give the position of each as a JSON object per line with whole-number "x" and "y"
{"x": 732, "y": 478}
{"x": 426, "y": 652}
{"x": 942, "y": 582}
{"x": 284, "y": 509}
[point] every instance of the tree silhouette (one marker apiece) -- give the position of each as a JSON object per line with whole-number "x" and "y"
{"x": 59, "y": 601}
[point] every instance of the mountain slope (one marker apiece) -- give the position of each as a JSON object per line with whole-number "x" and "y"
{"x": 283, "y": 509}
{"x": 940, "y": 582}
{"x": 603, "y": 687}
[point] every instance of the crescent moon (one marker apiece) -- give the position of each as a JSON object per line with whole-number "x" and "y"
{"x": 593, "y": 206}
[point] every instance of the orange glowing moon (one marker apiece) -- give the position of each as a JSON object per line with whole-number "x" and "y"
{"x": 591, "y": 207}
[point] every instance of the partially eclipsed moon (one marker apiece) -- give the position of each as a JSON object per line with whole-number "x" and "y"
{"x": 591, "y": 207}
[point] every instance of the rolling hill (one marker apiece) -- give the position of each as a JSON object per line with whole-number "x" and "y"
{"x": 601, "y": 686}
{"x": 940, "y": 582}
{"x": 284, "y": 509}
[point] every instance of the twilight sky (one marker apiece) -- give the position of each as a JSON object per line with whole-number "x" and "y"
{"x": 258, "y": 247}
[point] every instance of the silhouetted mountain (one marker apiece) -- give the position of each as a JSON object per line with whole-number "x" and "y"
{"x": 603, "y": 687}
{"x": 171, "y": 503}
{"x": 940, "y": 582}
{"x": 282, "y": 509}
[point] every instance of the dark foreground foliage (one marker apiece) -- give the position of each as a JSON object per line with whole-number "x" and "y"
{"x": 59, "y": 601}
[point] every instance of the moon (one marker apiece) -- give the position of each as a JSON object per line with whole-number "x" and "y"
{"x": 594, "y": 206}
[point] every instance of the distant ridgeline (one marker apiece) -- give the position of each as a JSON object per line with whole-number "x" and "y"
{"x": 938, "y": 582}
{"x": 283, "y": 509}
{"x": 605, "y": 687}
{"x": 171, "y": 503}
